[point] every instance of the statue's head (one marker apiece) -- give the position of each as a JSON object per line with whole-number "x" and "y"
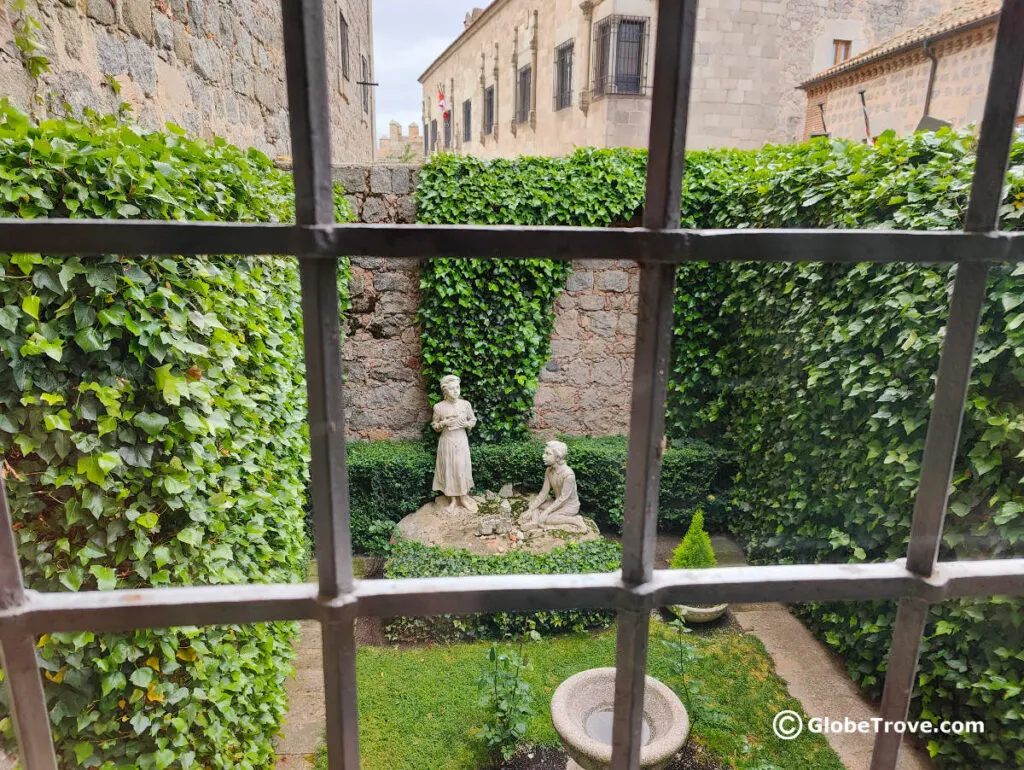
{"x": 450, "y": 386}
{"x": 555, "y": 453}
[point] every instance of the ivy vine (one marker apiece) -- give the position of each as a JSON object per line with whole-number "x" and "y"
{"x": 152, "y": 424}
{"x": 490, "y": 321}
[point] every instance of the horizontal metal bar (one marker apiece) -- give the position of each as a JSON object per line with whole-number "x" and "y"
{"x": 212, "y": 605}
{"x": 63, "y": 236}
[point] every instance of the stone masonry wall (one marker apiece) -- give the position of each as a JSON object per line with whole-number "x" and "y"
{"x": 585, "y": 387}
{"x": 213, "y": 67}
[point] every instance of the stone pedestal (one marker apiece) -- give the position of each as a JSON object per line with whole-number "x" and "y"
{"x": 492, "y": 530}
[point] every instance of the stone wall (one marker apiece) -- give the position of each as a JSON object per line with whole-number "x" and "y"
{"x": 585, "y": 387}
{"x": 213, "y": 67}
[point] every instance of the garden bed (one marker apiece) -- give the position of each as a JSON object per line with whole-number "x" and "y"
{"x": 419, "y": 706}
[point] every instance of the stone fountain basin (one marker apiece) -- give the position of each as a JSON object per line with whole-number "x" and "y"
{"x": 690, "y": 614}
{"x": 578, "y": 698}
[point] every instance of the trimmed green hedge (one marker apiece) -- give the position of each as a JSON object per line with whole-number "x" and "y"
{"x": 152, "y": 422}
{"x": 391, "y": 479}
{"x": 412, "y": 560}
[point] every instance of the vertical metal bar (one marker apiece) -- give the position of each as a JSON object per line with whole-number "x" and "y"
{"x": 968, "y": 293}
{"x": 673, "y": 53}
{"x": 954, "y": 374}
{"x": 18, "y": 659}
{"x": 899, "y": 680}
{"x": 309, "y": 115}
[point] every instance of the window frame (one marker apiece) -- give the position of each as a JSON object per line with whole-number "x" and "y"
{"x": 840, "y": 51}
{"x": 467, "y": 120}
{"x": 343, "y": 49}
{"x": 562, "y": 86}
{"x": 611, "y": 54}
{"x": 337, "y": 599}
{"x": 489, "y": 114}
{"x": 364, "y": 68}
{"x": 524, "y": 93}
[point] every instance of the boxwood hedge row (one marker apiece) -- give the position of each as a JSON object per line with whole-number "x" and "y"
{"x": 390, "y": 479}
{"x": 152, "y": 427}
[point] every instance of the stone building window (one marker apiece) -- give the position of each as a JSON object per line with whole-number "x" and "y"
{"x": 523, "y": 94}
{"x": 489, "y": 111}
{"x": 620, "y": 56}
{"x": 840, "y": 51}
{"x": 364, "y": 71}
{"x": 563, "y": 75}
{"x": 467, "y": 121}
{"x": 448, "y": 131}
{"x": 433, "y": 135}
{"x": 343, "y": 45}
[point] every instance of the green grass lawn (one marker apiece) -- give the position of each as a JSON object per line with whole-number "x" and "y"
{"x": 418, "y": 706}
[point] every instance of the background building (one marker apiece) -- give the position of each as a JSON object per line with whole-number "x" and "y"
{"x": 395, "y": 146}
{"x": 213, "y": 67}
{"x": 939, "y": 68}
{"x": 540, "y": 78}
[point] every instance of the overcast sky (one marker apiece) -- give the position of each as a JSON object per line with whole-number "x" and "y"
{"x": 407, "y": 36}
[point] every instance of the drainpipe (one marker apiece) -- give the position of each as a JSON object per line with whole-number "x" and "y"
{"x": 587, "y": 6}
{"x": 930, "y": 53}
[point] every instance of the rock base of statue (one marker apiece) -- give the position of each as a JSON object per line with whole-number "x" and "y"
{"x": 494, "y": 529}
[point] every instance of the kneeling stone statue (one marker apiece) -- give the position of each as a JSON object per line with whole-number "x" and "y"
{"x": 562, "y": 513}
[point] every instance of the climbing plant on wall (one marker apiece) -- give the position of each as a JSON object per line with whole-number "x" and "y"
{"x": 152, "y": 423}
{"x": 491, "y": 321}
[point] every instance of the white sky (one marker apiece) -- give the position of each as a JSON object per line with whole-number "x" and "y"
{"x": 407, "y": 36}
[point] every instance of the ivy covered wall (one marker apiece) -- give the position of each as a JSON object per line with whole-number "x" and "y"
{"x": 152, "y": 424}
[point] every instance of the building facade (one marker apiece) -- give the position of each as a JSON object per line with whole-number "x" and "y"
{"x": 401, "y": 148}
{"x": 526, "y": 77}
{"x": 213, "y": 67}
{"x": 939, "y": 69}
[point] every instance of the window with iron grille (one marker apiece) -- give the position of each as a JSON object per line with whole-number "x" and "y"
{"x": 467, "y": 121}
{"x": 433, "y": 135}
{"x": 488, "y": 110}
{"x": 364, "y": 67}
{"x": 448, "y": 131}
{"x": 620, "y": 55}
{"x": 523, "y": 92}
{"x": 343, "y": 45}
{"x": 338, "y": 599}
{"x": 563, "y": 75}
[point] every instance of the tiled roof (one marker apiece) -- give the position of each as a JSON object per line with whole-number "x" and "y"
{"x": 967, "y": 13}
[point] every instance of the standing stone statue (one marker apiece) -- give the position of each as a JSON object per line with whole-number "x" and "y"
{"x": 562, "y": 513}
{"x": 453, "y": 471}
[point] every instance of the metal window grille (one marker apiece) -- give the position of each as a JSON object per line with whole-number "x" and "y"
{"x": 317, "y": 241}
{"x": 620, "y": 55}
{"x": 563, "y": 75}
{"x": 447, "y": 131}
{"x": 467, "y": 121}
{"x": 523, "y": 91}
{"x": 343, "y": 45}
{"x": 364, "y": 72}
{"x": 433, "y": 135}
{"x": 488, "y": 110}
